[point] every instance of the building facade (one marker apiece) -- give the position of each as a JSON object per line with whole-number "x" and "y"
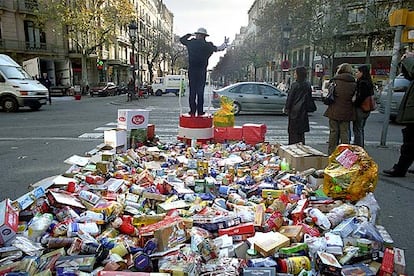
{"x": 60, "y": 57}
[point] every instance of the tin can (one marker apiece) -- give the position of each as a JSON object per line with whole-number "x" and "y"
{"x": 71, "y": 187}
{"x": 142, "y": 262}
{"x": 294, "y": 265}
{"x": 59, "y": 242}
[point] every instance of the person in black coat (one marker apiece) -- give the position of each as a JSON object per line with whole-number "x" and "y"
{"x": 364, "y": 89}
{"x": 199, "y": 51}
{"x": 299, "y": 96}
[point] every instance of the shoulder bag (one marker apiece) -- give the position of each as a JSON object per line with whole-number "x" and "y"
{"x": 330, "y": 97}
{"x": 369, "y": 104}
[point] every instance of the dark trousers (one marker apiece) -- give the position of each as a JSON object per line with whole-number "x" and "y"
{"x": 407, "y": 149}
{"x": 197, "y": 81}
{"x": 295, "y": 138}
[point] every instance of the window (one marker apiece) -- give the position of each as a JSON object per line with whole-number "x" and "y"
{"x": 356, "y": 16}
{"x": 35, "y": 38}
{"x": 269, "y": 91}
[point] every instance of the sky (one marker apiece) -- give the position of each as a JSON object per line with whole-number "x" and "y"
{"x": 220, "y": 17}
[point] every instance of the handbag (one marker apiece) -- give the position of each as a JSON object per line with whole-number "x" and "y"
{"x": 330, "y": 97}
{"x": 369, "y": 104}
{"x": 310, "y": 105}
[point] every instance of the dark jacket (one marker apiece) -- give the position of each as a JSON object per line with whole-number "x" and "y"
{"x": 406, "y": 112}
{"x": 364, "y": 89}
{"x": 199, "y": 51}
{"x": 298, "y": 96}
{"x": 342, "y": 109}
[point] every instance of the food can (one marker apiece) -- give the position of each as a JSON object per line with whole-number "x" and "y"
{"x": 294, "y": 265}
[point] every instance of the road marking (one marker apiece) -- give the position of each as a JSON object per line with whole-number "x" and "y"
{"x": 92, "y": 135}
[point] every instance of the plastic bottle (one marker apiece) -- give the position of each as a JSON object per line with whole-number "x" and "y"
{"x": 284, "y": 165}
{"x": 38, "y": 225}
{"x": 89, "y": 227}
{"x": 319, "y": 218}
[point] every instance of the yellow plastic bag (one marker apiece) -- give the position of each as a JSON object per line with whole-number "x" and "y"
{"x": 351, "y": 173}
{"x": 224, "y": 117}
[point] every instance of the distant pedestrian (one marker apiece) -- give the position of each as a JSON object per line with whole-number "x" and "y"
{"x": 342, "y": 111}
{"x": 365, "y": 88}
{"x": 405, "y": 116}
{"x": 299, "y": 98}
{"x": 47, "y": 83}
{"x": 199, "y": 51}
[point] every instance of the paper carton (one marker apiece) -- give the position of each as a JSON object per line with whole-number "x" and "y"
{"x": 293, "y": 232}
{"x": 133, "y": 118}
{"x": 303, "y": 157}
{"x": 9, "y": 221}
{"x": 268, "y": 243}
{"x": 171, "y": 235}
{"x": 115, "y": 138}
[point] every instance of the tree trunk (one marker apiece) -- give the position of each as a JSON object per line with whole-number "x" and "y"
{"x": 368, "y": 49}
{"x": 84, "y": 73}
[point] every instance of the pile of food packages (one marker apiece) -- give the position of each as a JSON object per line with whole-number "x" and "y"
{"x": 213, "y": 209}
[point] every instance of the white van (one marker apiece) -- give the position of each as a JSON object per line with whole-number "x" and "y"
{"x": 168, "y": 84}
{"x": 17, "y": 88}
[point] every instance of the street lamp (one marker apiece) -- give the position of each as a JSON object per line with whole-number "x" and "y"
{"x": 286, "y": 30}
{"x": 132, "y": 29}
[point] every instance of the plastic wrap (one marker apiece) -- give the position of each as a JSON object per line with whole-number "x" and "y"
{"x": 224, "y": 117}
{"x": 350, "y": 173}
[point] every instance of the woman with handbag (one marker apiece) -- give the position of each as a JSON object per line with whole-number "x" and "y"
{"x": 341, "y": 112}
{"x": 364, "y": 91}
{"x": 298, "y": 103}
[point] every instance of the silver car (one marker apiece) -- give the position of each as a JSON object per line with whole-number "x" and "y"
{"x": 400, "y": 86}
{"x": 255, "y": 97}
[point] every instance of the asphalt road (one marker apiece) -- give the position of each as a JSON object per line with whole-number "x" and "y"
{"x": 34, "y": 145}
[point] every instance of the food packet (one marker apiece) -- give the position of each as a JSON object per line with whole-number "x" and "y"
{"x": 350, "y": 173}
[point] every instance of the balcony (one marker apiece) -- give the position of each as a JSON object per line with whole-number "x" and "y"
{"x": 10, "y": 45}
{"x": 26, "y": 6}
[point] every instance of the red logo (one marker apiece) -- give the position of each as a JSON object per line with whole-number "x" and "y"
{"x": 121, "y": 119}
{"x": 138, "y": 119}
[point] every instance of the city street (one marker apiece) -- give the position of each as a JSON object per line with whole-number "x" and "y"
{"x": 34, "y": 145}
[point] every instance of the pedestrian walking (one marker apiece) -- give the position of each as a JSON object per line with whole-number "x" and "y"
{"x": 199, "y": 51}
{"x": 364, "y": 89}
{"x": 342, "y": 111}
{"x": 405, "y": 116}
{"x": 47, "y": 83}
{"x": 298, "y": 100}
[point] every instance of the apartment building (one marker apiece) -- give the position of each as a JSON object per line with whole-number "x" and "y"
{"x": 59, "y": 56}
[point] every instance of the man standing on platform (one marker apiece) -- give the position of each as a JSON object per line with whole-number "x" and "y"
{"x": 199, "y": 51}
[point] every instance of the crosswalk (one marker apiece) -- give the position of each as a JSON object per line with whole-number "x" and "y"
{"x": 166, "y": 127}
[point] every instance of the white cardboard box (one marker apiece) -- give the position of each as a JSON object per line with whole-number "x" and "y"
{"x": 133, "y": 118}
{"x": 115, "y": 137}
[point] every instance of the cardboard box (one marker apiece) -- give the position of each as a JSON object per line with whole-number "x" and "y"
{"x": 9, "y": 221}
{"x": 387, "y": 265}
{"x": 242, "y": 229}
{"x": 293, "y": 232}
{"x": 133, "y": 118}
{"x": 303, "y": 157}
{"x": 327, "y": 264}
{"x": 171, "y": 235}
{"x": 399, "y": 260}
{"x": 115, "y": 138}
{"x": 259, "y": 271}
{"x": 235, "y": 133}
{"x": 268, "y": 243}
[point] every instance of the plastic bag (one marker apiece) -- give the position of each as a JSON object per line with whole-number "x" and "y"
{"x": 224, "y": 117}
{"x": 350, "y": 173}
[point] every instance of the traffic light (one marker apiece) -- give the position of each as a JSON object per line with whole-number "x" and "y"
{"x": 99, "y": 64}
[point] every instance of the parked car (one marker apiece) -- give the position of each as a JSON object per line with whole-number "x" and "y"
{"x": 252, "y": 97}
{"x": 400, "y": 87}
{"x": 316, "y": 92}
{"x": 104, "y": 89}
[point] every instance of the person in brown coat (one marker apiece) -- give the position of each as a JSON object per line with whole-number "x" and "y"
{"x": 341, "y": 112}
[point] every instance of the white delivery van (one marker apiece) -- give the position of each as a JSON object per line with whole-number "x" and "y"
{"x": 168, "y": 84}
{"x": 17, "y": 88}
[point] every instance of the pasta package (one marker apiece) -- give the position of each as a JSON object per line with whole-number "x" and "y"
{"x": 351, "y": 173}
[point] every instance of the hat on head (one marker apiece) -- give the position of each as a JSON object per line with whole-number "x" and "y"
{"x": 202, "y": 31}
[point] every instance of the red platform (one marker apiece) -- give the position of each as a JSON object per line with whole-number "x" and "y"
{"x": 199, "y": 128}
